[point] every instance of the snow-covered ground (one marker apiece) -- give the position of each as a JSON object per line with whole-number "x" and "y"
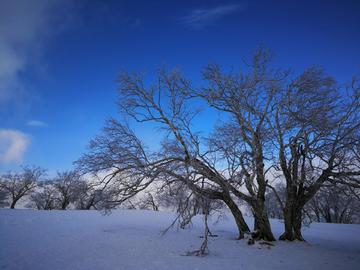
{"x": 129, "y": 239}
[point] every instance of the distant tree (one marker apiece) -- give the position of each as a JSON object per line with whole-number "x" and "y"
{"x": 18, "y": 185}
{"x": 86, "y": 195}
{"x": 44, "y": 198}
{"x": 3, "y": 198}
{"x": 95, "y": 198}
{"x": 334, "y": 204}
{"x": 148, "y": 201}
{"x": 69, "y": 186}
{"x": 272, "y": 206}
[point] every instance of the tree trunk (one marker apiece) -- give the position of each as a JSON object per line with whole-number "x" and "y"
{"x": 292, "y": 218}
{"x": 317, "y": 215}
{"x": 12, "y": 206}
{"x": 297, "y": 224}
{"x": 88, "y": 207}
{"x": 64, "y": 204}
{"x": 239, "y": 219}
{"x": 288, "y": 234}
{"x": 226, "y": 198}
{"x": 262, "y": 224}
{"x": 328, "y": 216}
{"x": 261, "y": 220}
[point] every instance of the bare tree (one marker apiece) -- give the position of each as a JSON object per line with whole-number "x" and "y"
{"x": 68, "y": 187}
{"x": 316, "y": 126}
{"x": 303, "y": 127}
{"x": 148, "y": 201}
{"x": 334, "y": 204}
{"x": 246, "y": 98}
{"x": 123, "y": 158}
{"x": 272, "y": 206}
{"x": 3, "y": 197}
{"x": 132, "y": 166}
{"x": 18, "y": 185}
{"x": 92, "y": 196}
{"x": 44, "y": 198}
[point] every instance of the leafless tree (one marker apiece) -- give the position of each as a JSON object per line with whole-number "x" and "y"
{"x": 334, "y": 204}
{"x": 3, "y": 197}
{"x": 18, "y": 185}
{"x": 306, "y": 128}
{"x": 94, "y": 197}
{"x": 132, "y": 166}
{"x": 316, "y": 126}
{"x": 123, "y": 158}
{"x": 148, "y": 201}
{"x": 272, "y": 206}
{"x": 44, "y": 198}
{"x": 246, "y": 99}
{"x": 68, "y": 186}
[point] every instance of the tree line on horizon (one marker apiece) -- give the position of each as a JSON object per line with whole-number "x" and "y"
{"x": 70, "y": 190}
{"x": 287, "y": 146}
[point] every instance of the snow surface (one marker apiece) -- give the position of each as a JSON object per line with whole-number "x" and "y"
{"x": 129, "y": 239}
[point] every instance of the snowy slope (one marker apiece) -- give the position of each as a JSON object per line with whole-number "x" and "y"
{"x": 32, "y": 239}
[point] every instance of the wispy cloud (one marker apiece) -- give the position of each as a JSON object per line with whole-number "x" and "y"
{"x": 13, "y": 145}
{"x": 200, "y": 18}
{"x": 35, "y": 123}
{"x": 134, "y": 22}
{"x": 26, "y": 27}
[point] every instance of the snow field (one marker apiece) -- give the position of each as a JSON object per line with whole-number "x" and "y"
{"x": 130, "y": 239}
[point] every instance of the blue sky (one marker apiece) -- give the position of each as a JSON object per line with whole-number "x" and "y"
{"x": 58, "y": 58}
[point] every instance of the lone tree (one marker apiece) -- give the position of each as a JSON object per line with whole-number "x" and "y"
{"x": 18, "y": 185}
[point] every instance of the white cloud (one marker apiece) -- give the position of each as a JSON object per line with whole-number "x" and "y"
{"x": 199, "y": 18}
{"x": 25, "y": 27}
{"x": 35, "y": 123}
{"x": 13, "y": 145}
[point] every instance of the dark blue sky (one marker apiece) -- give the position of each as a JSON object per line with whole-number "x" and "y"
{"x": 58, "y": 58}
